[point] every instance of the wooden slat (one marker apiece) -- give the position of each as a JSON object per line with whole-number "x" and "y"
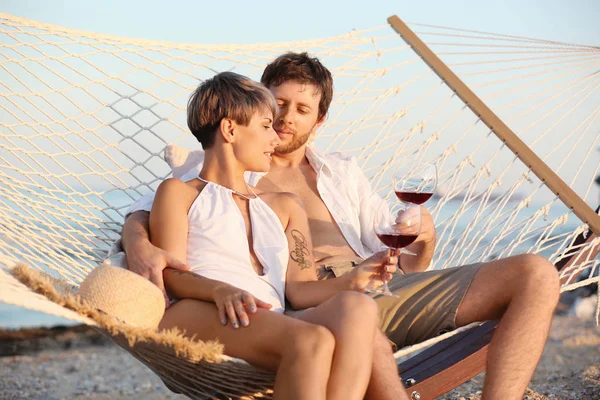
{"x": 504, "y": 133}
{"x": 432, "y": 359}
{"x": 463, "y": 369}
{"x": 413, "y": 365}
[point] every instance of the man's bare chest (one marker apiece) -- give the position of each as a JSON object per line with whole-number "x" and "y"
{"x": 304, "y": 185}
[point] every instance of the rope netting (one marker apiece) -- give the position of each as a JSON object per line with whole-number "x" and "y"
{"x": 86, "y": 117}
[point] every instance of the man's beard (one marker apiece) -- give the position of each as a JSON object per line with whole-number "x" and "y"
{"x": 297, "y": 142}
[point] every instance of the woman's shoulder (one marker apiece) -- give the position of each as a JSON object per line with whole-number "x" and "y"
{"x": 175, "y": 189}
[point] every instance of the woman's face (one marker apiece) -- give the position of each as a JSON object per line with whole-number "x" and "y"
{"x": 256, "y": 142}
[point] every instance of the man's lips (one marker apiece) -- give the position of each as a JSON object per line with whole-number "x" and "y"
{"x": 284, "y": 132}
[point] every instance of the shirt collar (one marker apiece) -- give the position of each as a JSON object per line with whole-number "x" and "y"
{"x": 318, "y": 159}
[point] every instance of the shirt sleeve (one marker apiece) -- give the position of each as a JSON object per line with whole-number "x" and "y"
{"x": 368, "y": 203}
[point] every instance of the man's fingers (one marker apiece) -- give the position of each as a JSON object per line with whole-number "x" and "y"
{"x": 231, "y": 314}
{"x": 173, "y": 262}
{"x": 157, "y": 279}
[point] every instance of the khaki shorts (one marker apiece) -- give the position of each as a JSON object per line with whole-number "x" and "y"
{"x": 427, "y": 303}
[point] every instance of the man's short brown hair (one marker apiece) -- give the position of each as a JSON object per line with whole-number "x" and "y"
{"x": 225, "y": 95}
{"x": 302, "y": 68}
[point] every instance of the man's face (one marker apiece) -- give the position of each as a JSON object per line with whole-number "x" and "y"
{"x": 298, "y": 112}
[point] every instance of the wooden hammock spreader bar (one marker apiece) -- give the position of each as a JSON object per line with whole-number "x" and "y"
{"x": 500, "y": 129}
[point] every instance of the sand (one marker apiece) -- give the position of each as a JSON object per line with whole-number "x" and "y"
{"x": 78, "y": 363}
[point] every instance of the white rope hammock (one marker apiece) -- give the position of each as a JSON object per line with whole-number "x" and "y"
{"x": 86, "y": 117}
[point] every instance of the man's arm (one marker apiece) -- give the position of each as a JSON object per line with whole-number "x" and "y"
{"x": 303, "y": 289}
{"x": 143, "y": 257}
{"x": 423, "y": 247}
{"x": 369, "y": 202}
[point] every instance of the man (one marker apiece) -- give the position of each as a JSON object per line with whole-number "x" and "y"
{"x": 521, "y": 291}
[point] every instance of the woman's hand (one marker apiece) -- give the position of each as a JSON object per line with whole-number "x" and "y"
{"x": 371, "y": 273}
{"x": 233, "y": 304}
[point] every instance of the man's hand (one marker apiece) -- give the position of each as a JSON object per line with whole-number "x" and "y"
{"x": 371, "y": 273}
{"x": 233, "y": 303}
{"x": 149, "y": 261}
{"x": 423, "y": 246}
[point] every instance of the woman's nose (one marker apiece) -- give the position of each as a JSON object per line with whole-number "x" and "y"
{"x": 275, "y": 140}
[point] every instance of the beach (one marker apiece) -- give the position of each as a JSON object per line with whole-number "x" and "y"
{"x": 79, "y": 363}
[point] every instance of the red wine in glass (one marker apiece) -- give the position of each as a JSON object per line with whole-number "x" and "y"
{"x": 413, "y": 197}
{"x": 396, "y": 241}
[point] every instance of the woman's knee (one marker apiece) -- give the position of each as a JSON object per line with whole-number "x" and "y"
{"x": 310, "y": 340}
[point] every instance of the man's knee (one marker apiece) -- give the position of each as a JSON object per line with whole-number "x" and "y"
{"x": 540, "y": 276}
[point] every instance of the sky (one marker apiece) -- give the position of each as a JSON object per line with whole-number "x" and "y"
{"x": 236, "y": 21}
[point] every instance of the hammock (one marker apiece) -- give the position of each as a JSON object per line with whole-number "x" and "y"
{"x": 86, "y": 118}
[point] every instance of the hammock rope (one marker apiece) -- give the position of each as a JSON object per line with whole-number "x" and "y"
{"x": 87, "y": 116}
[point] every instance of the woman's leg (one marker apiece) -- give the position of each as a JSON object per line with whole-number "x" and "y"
{"x": 301, "y": 353}
{"x": 352, "y": 318}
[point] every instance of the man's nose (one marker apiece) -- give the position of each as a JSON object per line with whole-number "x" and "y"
{"x": 285, "y": 116}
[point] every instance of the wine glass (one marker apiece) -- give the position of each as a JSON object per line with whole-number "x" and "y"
{"x": 414, "y": 181}
{"x": 396, "y": 227}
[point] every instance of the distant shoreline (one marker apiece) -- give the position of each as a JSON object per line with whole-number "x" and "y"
{"x": 27, "y": 341}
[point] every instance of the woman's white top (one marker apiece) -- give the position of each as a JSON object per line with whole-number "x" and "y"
{"x": 218, "y": 248}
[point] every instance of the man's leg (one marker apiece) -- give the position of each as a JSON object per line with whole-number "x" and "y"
{"x": 385, "y": 382}
{"x": 522, "y": 291}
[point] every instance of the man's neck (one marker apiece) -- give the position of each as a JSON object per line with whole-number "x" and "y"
{"x": 296, "y": 158}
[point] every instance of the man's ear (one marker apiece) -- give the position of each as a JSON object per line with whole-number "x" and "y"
{"x": 320, "y": 122}
{"x": 227, "y": 128}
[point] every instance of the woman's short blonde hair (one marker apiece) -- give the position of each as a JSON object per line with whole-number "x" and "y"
{"x": 225, "y": 95}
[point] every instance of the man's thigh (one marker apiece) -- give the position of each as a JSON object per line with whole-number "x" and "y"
{"x": 426, "y": 305}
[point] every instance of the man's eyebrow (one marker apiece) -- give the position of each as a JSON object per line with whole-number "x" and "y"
{"x": 304, "y": 105}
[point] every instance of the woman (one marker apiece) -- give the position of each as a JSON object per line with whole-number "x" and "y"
{"x": 253, "y": 250}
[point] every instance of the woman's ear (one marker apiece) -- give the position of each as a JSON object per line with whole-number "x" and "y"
{"x": 227, "y": 128}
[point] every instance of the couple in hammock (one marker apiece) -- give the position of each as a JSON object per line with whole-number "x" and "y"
{"x": 250, "y": 248}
